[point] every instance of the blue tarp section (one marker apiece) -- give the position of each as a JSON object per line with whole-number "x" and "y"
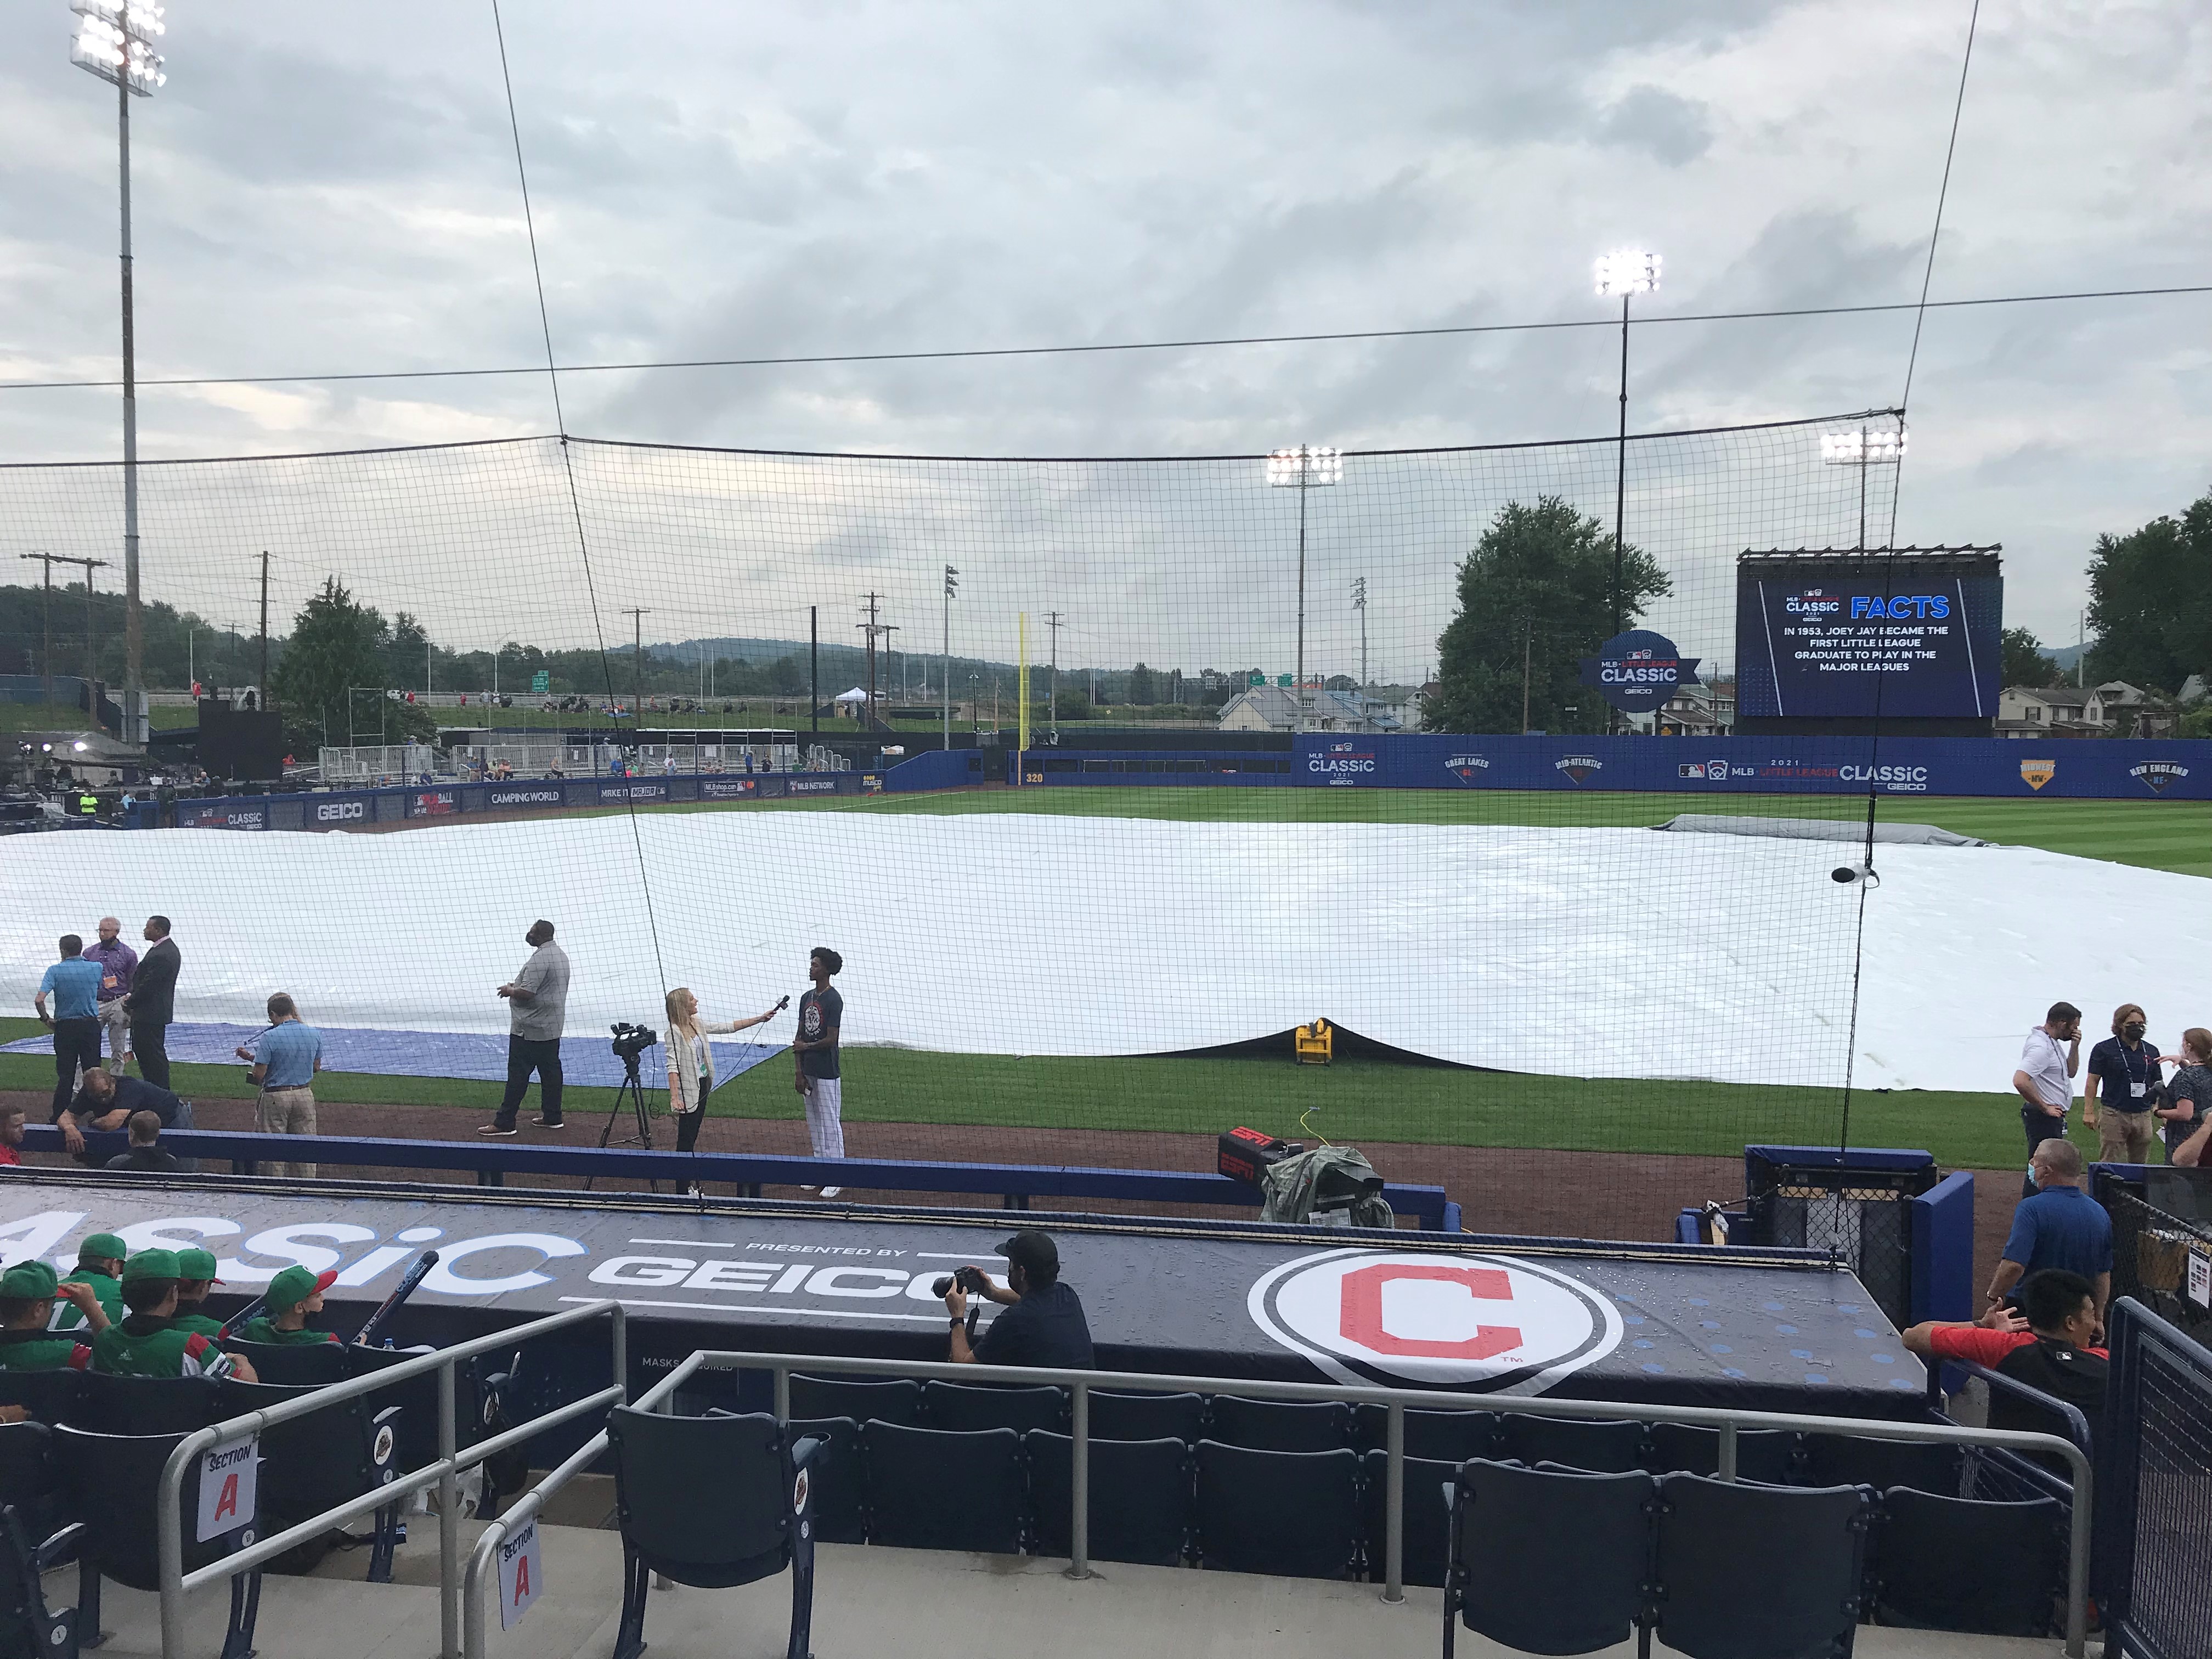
{"x": 586, "y": 1062}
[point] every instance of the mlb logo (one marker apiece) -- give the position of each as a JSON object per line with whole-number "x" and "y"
{"x": 1339, "y": 749}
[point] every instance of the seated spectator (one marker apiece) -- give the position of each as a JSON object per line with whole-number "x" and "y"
{"x": 147, "y": 1153}
{"x": 28, "y": 1292}
{"x": 99, "y": 1264}
{"x": 195, "y": 1278}
{"x": 149, "y": 1342}
{"x": 11, "y": 1134}
{"x": 2050, "y": 1349}
{"x": 295, "y": 1295}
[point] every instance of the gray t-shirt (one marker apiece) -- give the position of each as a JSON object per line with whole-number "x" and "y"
{"x": 546, "y": 976}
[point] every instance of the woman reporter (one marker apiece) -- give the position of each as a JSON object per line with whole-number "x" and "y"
{"x": 691, "y": 1060}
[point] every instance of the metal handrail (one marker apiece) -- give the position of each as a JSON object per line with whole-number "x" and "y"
{"x": 525, "y": 1508}
{"x": 445, "y": 1473}
{"x": 1729, "y": 1420}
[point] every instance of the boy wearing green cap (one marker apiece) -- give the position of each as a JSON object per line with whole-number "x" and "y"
{"x": 292, "y": 1295}
{"x": 148, "y": 1342}
{"x": 99, "y": 1263}
{"x": 28, "y": 1292}
{"x": 195, "y": 1278}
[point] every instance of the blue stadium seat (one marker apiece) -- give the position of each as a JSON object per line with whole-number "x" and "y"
{"x": 290, "y": 1365}
{"x": 961, "y": 1406}
{"x": 1748, "y": 1571}
{"x": 839, "y": 1477}
{"x": 1147, "y": 1416}
{"x": 1279, "y": 1426}
{"x": 315, "y": 1464}
{"x": 1291, "y": 1515}
{"x": 1427, "y": 1551}
{"x": 935, "y": 1489}
{"x": 1140, "y": 1497}
{"x": 146, "y": 1405}
{"x": 1548, "y": 1561}
{"x": 1767, "y": 1455}
{"x": 48, "y": 1397}
{"x": 1855, "y": 1460}
{"x": 1601, "y": 1448}
{"x": 898, "y": 1402}
{"x": 1957, "y": 1564}
{"x": 1446, "y": 1436}
{"x": 27, "y": 1625}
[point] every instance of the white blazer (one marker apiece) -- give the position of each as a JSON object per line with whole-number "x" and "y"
{"x": 684, "y": 1094}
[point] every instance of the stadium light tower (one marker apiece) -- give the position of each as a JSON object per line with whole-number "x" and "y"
{"x": 115, "y": 41}
{"x": 1359, "y": 604}
{"x": 951, "y": 587}
{"x": 1863, "y": 448}
{"x": 1302, "y": 469}
{"x": 1626, "y": 272}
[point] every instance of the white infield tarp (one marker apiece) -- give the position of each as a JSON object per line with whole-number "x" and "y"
{"x": 1574, "y": 952}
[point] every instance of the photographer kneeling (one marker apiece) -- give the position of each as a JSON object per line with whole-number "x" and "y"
{"x": 1043, "y": 1324}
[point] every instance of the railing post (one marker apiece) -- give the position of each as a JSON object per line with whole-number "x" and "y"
{"x": 169, "y": 1541}
{"x": 782, "y": 1374}
{"x": 1728, "y": 1451}
{"x": 449, "y": 1521}
{"x": 1079, "y": 1523}
{"x": 1394, "y": 1499}
{"x": 2077, "y": 1562}
{"x": 621, "y": 1341}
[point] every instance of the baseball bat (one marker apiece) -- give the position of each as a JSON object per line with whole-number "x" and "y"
{"x": 391, "y": 1303}
{"x": 230, "y": 1325}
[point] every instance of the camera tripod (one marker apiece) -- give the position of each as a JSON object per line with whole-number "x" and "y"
{"x": 631, "y": 1092}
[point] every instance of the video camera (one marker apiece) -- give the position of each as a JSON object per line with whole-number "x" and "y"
{"x": 631, "y": 1041}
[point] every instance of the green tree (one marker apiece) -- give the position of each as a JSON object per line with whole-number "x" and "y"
{"x": 337, "y": 654}
{"x": 1143, "y": 690}
{"x": 2150, "y": 602}
{"x": 1073, "y": 705}
{"x": 2023, "y": 662}
{"x": 1536, "y": 590}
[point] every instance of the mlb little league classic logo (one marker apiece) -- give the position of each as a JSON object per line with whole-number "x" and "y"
{"x": 2158, "y": 775}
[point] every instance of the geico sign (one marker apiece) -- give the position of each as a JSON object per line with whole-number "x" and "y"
{"x": 340, "y": 811}
{"x": 1889, "y": 777}
{"x": 1487, "y": 1323}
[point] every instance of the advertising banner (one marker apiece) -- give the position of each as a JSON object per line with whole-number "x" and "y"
{"x": 633, "y": 792}
{"x": 432, "y": 802}
{"x": 1867, "y": 642}
{"x": 222, "y": 815}
{"x": 1639, "y": 671}
{"x": 522, "y": 797}
{"x": 337, "y": 812}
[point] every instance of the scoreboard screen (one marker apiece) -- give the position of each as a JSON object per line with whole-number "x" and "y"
{"x": 1861, "y": 638}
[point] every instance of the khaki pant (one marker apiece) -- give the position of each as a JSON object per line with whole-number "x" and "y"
{"x": 116, "y": 1024}
{"x": 287, "y": 1112}
{"x": 2125, "y": 1137}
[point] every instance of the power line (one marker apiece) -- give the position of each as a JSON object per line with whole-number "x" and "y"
{"x": 1942, "y": 193}
{"x": 1642, "y": 321}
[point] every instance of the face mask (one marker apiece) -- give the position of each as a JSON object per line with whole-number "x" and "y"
{"x": 2132, "y": 1031}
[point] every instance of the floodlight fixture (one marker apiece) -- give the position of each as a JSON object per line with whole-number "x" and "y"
{"x": 1866, "y": 447}
{"x": 80, "y": 745}
{"x": 115, "y": 41}
{"x": 1305, "y": 467}
{"x": 1625, "y": 272}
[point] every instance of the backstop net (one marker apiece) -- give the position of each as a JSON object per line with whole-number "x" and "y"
{"x": 1539, "y": 999}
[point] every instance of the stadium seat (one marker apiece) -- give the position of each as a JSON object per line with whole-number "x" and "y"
{"x": 110, "y": 1481}
{"x": 936, "y": 1489}
{"x": 1445, "y": 1436}
{"x": 1855, "y": 1460}
{"x": 1147, "y": 1416}
{"x": 864, "y": 1402}
{"x": 416, "y": 1397}
{"x": 1288, "y": 1514}
{"x": 1140, "y": 1497}
{"x": 29, "y": 1481}
{"x": 317, "y": 1463}
{"x": 47, "y": 1397}
{"x": 27, "y": 1625}
{"x": 1956, "y": 1564}
{"x": 1748, "y": 1571}
{"x": 1548, "y": 1560}
{"x": 959, "y": 1407}
{"x": 753, "y": 1519}
{"x": 1279, "y": 1426}
{"x": 840, "y": 1479}
{"x": 295, "y": 1366}
{"x": 1577, "y": 1443}
{"x": 1428, "y": 1514}
{"x": 1764, "y": 1454}
{"x": 146, "y": 1405}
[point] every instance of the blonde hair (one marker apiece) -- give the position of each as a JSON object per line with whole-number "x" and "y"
{"x": 679, "y": 1018}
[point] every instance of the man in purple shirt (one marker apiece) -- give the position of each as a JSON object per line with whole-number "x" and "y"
{"x": 117, "y": 963}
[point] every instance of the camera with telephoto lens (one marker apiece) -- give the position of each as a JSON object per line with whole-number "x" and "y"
{"x": 631, "y": 1041}
{"x": 970, "y": 1280}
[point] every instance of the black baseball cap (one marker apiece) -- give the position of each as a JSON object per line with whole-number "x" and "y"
{"x": 1032, "y": 1250}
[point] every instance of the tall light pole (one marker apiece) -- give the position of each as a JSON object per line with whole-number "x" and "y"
{"x": 1359, "y": 604}
{"x": 1863, "y": 448}
{"x": 114, "y": 41}
{"x": 1624, "y": 272}
{"x": 1302, "y": 469}
{"x": 1052, "y": 696}
{"x": 951, "y": 586}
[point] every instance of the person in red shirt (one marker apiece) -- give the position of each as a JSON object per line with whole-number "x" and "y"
{"x": 2049, "y": 1349}
{"x": 11, "y": 1134}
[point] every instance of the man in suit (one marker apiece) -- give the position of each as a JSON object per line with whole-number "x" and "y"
{"x": 152, "y": 1003}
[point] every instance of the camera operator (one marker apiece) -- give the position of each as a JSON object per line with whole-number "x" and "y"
{"x": 1043, "y": 1324}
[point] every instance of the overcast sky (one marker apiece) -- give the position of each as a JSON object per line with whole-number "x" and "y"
{"x": 334, "y": 189}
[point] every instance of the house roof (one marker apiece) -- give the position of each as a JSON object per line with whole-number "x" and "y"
{"x": 1279, "y": 702}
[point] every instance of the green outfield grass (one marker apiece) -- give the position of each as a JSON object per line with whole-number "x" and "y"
{"x": 1354, "y": 1100}
{"x": 2157, "y": 835}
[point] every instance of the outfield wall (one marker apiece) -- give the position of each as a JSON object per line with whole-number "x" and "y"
{"x": 2074, "y": 769}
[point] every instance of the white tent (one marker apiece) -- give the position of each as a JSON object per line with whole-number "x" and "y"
{"x": 854, "y": 696}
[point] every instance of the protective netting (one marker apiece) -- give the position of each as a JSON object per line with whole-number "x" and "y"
{"x": 1508, "y": 969}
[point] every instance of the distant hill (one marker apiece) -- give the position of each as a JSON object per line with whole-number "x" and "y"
{"x": 2064, "y": 655}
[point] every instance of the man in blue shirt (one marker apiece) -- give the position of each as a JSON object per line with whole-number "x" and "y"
{"x": 2062, "y": 1226}
{"x": 73, "y": 984}
{"x": 284, "y": 1066}
{"x": 1043, "y": 1322}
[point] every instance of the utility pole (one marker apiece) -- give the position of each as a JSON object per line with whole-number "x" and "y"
{"x": 814, "y": 664}
{"x": 637, "y": 667}
{"x": 1052, "y": 694}
{"x": 265, "y": 634}
{"x": 951, "y": 586}
{"x": 1359, "y": 604}
{"x": 1528, "y": 642}
{"x": 45, "y": 627}
{"x": 90, "y": 666}
{"x": 871, "y": 629}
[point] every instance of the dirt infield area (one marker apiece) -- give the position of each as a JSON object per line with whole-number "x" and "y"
{"x": 1529, "y": 1192}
